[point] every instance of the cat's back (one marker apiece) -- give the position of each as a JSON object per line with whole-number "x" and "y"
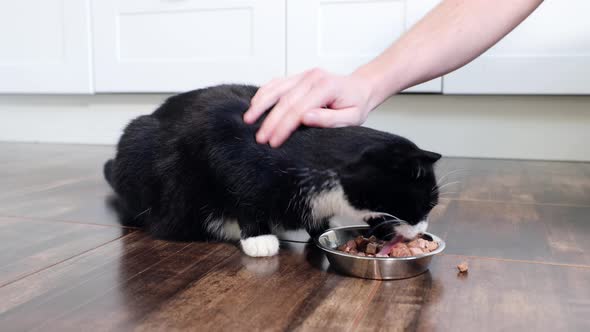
{"x": 221, "y": 101}
{"x": 214, "y": 117}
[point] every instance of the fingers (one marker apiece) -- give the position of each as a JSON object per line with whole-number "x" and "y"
{"x": 268, "y": 95}
{"x": 279, "y": 118}
{"x": 287, "y": 126}
{"x": 318, "y": 92}
{"x": 293, "y": 98}
{"x": 263, "y": 99}
{"x": 329, "y": 118}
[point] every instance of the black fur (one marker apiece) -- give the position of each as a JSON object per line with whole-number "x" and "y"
{"x": 194, "y": 160}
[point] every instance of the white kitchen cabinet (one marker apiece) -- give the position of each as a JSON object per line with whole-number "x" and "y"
{"x": 177, "y": 45}
{"x": 340, "y": 35}
{"x": 45, "y": 46}
{"x": 549, "y": 53}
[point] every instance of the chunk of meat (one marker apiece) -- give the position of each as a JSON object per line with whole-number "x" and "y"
{"x": 432, "y": 246}
{"x": 416, "y": 251}
{"x": 463, "y": 267}
{"x": 373, "y": 247}
{"x": 400, "y": 250}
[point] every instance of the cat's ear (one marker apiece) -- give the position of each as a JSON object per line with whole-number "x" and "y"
{"x": 376, "y": 154}
{"x": 426, "y": 156}
{"x": 385, "y": 157}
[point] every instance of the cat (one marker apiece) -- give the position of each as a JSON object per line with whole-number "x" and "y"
{"x": 192, "y": 170}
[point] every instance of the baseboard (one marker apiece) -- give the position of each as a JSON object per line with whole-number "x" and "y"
{"x": 519, "y": 127}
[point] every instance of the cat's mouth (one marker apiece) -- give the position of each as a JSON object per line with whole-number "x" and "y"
{"x": 410, "y": 232}
{"x": 387, "y": 226}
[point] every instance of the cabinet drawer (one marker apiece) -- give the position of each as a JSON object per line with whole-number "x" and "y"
{"x": 177, "y": 45}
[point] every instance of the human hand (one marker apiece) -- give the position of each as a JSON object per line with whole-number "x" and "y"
{"x": 314, "y": 98}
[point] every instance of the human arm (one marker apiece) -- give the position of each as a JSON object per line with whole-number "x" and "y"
{"x": 448, "y": 37}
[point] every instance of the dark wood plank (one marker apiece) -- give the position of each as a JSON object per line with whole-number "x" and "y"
{"x": 36, "y": 167}
{"x": 495, "y": 295}
{"x": 517, "y": 181}
{"x": 557, "y": 234}
{"x": 55, "y": 292}
{"x": 157, "y": 285}
{"x": 55, "y": 182}
{"x": 277, "y": 294}
{"x": 140, "y": 283}
{"x": 84, "y": 201}
{"x": 30, "y": 245}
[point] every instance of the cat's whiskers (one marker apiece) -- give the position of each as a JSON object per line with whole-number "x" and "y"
{"x": 448, "y": 192}
{"x": 387, "y": 222}
{"x": 386, "y": 215}
{"x": 148, "y": 210}
{"x": 449, "y": 173}
{"x": 438, "y": 189}
{"x": 395, "y": 220}
{"x": 387, "y": 235}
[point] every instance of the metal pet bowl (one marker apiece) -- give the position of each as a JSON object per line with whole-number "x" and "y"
{"x": 383, "y": 268}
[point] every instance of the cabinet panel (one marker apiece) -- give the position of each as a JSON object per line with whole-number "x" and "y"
{"x": 549, "y": 53}
{"x": 142, "y": 40}
{"x": 340, "y": 35}
{"x": 45, "y": 47}
{"x": 171, "y": 46}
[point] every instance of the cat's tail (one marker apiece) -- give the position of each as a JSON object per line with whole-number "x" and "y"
{"x": 118, "y": 205}
{"x": 108, "y": 171}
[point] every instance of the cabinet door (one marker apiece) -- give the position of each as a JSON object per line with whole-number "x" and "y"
{"x": 340, "y": 35}
{"x": 45, "y": 47}
{"x": 549, "y": 53}
{"x": 177, "y": 45}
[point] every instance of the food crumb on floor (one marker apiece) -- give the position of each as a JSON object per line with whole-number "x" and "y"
{"x": 463, "y": 267}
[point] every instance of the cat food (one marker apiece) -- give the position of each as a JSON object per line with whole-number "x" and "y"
{"x": 372, "y": 247}
{"x": 463, "y": 267}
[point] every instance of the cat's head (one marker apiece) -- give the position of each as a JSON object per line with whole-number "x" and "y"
{"x": 395, "y": 178}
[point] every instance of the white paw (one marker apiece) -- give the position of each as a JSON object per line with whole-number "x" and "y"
{"x": 260, "y": 246}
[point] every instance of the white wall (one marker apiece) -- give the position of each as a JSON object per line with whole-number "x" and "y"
{"x": 519, "y": 127}
{"x": 524, "y": 127}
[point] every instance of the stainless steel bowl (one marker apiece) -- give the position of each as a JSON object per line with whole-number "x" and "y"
{"x": 383, "y": 268}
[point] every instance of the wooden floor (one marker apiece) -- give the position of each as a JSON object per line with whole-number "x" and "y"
{"x": 66, "y": 264}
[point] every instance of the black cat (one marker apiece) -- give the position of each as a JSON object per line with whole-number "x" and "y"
{"x": 192, "y": 170}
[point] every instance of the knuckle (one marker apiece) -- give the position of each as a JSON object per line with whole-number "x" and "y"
{"x": 255, "y": 100}
{"x": 274, "y": 80}
{"x": 324, "y": 83}
{"x": 316, "y": 73}
{"x": 286, "y": 102}
{"x": 262, "y": 91}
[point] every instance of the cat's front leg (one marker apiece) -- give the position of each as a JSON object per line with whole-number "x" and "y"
{"x": 256, "y": 238}
{"x": 318, "y": 228}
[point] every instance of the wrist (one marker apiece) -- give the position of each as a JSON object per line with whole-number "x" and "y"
{"x": 379, "y": 82}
